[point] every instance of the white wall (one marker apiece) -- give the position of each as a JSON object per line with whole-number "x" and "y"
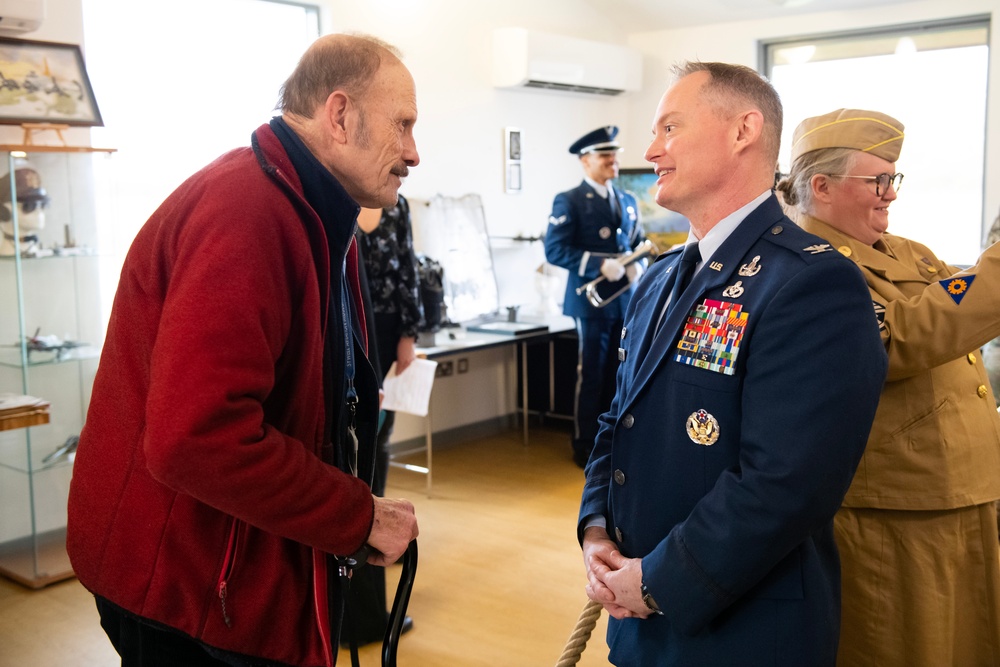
{"x": 447, "y": 45}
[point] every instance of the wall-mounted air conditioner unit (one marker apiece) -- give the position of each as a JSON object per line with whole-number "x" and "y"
{"x": 529, "y": 59}
{"x": 20, "y": 16}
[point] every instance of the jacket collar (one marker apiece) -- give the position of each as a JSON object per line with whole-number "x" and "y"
{"x": 325, "y": 195}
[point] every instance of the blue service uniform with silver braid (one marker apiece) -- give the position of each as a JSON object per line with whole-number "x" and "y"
{"x": 584, "y": 229}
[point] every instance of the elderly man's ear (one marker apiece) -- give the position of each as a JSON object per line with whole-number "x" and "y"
{"x": 336, "y": 112}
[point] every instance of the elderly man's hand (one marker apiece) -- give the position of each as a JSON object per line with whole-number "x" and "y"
{"x": 394, "y": 527}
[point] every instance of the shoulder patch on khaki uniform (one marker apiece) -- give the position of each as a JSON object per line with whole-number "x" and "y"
{"x": 957, "y": 287}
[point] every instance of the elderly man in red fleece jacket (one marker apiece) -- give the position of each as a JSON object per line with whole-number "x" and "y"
{"x": 228, "y": 449}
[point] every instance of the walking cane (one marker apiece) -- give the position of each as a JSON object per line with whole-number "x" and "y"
{"x": 390, "y": 642}
{"x": 398, "y": 614}
{"x": 581, "y": 633}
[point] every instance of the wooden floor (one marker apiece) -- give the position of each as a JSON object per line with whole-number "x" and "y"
{"x": 499, "y": 581}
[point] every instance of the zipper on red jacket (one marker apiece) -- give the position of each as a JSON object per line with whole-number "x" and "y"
{"x": 227, "y": 569}
{"x": 321, "y": 602}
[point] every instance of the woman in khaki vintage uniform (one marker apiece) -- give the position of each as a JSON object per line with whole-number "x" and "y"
{"x": 917, "y": 531}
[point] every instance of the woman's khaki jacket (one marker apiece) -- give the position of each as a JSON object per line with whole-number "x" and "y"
{"x": 935, "y": 443}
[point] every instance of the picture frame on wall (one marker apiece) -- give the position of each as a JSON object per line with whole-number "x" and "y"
{"x": 45, "y": 82}
{"x": 663, "y": 227}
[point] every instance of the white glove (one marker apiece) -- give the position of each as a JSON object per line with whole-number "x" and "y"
{"x": 612, "y": 269}
{"x": 634, "y": 271}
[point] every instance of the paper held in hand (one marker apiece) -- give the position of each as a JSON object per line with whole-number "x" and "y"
{"x": 411, "y": 391}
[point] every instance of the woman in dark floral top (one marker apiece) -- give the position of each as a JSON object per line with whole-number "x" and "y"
{"x": 385, "y": 242}
{"x": 391, "y": 266}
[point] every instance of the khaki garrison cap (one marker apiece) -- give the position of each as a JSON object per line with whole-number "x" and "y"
{"x": 868, "y": 131}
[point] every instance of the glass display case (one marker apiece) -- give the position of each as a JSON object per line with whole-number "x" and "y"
{"x": 51, "y": 331}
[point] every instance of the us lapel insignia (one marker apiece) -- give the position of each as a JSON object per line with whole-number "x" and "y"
{"x": 751, "y": 269}
{"x": 715, "y": 266}
{"x": 818, "y": 248}
{"x": 734, "y": 291}
{"x": 957, "y": 287}
{"x": 604, "y": 233}
{"x": 702, "y": 428}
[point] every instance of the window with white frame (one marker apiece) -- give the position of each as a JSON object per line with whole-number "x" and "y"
{"x": 931, "y": 77}
{"x": 178, "y": 84}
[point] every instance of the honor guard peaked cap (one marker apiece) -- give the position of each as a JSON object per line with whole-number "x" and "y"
{"x": 601, "y": 140}
{"x": 867, "y": 131}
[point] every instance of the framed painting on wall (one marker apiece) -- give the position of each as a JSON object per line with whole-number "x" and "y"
{"x": 663, "y": 227}
{"x": 45, "y": 82}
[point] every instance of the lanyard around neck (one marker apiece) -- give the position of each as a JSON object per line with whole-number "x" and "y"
{"x": 351, "y": 395}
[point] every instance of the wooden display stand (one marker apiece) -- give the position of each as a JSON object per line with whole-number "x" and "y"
{"x": 27, "y": 144}
{"x": 31, "y": 128}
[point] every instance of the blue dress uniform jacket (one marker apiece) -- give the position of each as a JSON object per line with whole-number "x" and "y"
{"x": 736, "y": 535}
{"x": 582, "y": 232}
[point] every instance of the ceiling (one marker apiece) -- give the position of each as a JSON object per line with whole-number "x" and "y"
{"x": 651, "y": 15}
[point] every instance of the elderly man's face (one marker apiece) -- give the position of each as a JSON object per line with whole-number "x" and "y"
{"x": 855, "y": 209}
{"x": 383, "y": 139}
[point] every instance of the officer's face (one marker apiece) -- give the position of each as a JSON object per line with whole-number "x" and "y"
{"x": 854, "y": 208}
{"x": 382, "y": 141}
{"x": 691, "y": 149}
{"x": 600, "y": 167}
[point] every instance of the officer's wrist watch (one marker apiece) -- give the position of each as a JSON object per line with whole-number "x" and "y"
{"x": 648, "y": 600}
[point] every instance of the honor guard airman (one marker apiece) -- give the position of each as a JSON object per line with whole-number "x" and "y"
{"x": 591, "y": 227}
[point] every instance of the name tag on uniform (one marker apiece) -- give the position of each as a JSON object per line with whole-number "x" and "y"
{"x": 712, "y": 336}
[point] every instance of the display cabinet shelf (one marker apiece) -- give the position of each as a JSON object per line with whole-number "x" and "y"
{"x": 51, "y": 333}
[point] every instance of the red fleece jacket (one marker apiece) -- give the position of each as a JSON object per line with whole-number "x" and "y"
{"x": 198, "y": 497}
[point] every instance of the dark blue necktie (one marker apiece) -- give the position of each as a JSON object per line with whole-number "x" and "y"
{"x": 685, "y": 269}
{"x": 683, "y": 272}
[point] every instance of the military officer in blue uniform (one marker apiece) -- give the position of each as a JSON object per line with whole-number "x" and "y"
{"x": 742, "y": 407}
{"x": 590, "y": 228}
